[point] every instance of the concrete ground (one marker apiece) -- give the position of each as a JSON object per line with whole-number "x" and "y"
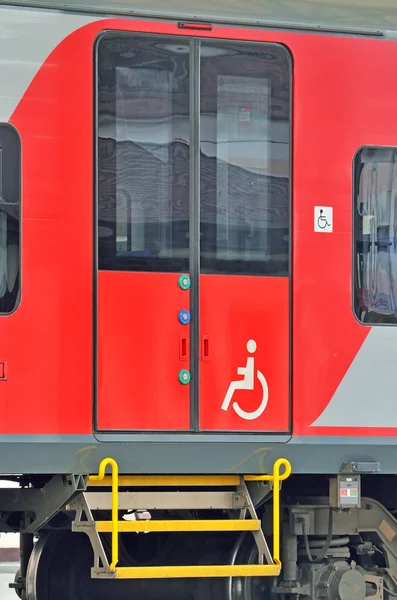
{"x": 7, "y": 574}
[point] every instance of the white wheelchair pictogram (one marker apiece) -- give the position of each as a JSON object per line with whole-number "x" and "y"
{"x": 247, "y": 383}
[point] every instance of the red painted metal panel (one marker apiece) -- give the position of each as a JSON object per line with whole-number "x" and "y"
{"x": 234, "y": 311}
{"x": 139, "y": 352}
{"x": 47, "y": 342}
{"x": 344, "y": 90}
{"x": 351, "y": 105}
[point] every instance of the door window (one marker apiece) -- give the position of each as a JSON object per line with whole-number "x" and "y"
{"x": 143, "y": 154}
{"x": 244, "y": 159}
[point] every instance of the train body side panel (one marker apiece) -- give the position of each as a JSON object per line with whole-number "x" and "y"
{"x": 48, "y": 341}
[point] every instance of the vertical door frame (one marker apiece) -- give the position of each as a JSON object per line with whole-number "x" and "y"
{"x": 194, "y": 230}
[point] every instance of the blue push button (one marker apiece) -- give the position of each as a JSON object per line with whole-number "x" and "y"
{"x": 184, "y": 316}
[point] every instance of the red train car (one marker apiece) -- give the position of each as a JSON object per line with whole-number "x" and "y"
{"x": 198, "y": 229}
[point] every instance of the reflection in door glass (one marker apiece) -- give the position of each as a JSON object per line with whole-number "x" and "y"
{"x": 143, "y": 153}
{"x": 245, "y": 159}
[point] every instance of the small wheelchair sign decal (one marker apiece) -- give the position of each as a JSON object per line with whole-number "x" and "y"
{"x": 248, "y": 383}
{"x": 323, "y": 216}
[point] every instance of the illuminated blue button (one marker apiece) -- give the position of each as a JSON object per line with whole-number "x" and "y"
{"x": 184, "y": 317}
{"x": 184, "y": 376}
{"x": 184, "y": 282}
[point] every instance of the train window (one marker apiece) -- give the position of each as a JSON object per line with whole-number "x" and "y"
{"x": 375, "y": 235}
{"x": 143, "y": 153}
{"x": 245, "y": 158}
{"x": 10, "y": 192}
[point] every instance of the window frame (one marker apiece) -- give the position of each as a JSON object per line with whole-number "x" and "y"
{"x": 356, "y": 175}
{"x": 16, "y": 175}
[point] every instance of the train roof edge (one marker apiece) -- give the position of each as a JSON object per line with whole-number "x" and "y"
{"x": 339, "y": 16}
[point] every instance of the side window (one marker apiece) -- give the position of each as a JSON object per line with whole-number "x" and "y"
{"x": 245, "y": 158}
{"x": 10, "y": 207}
{"x": 143, "y": 153}
{"x": 375, "y": 235}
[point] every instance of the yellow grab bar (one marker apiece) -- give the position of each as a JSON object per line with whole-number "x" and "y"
{"x": 275, "y": 477}
{"x": 115, "y": 505}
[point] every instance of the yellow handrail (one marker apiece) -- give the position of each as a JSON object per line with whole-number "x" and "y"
{"x": 275, "y": 477}
{"x": 115, "y": 505}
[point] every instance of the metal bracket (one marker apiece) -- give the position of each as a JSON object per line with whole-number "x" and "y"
{"x": 40, "y": 505}
{"x": 360, "y": 466}
{"x": 88, "y": 527}
{"x": 260, "y": 540}
{"x": 260, "y": 491}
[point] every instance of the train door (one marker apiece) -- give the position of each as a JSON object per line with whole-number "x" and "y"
{"x": 245, "y": 92}
{"x": 193, "y": 234}
{"x": 143, "y": 295}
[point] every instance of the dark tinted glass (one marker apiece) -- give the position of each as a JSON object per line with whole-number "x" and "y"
{"x": 245, "y": 159}
{"x": 10, "y": 191}
{"x": 375, "y": 235}
{"x": 143, "y": 153}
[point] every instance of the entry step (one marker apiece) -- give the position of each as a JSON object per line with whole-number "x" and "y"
{"x": 191, "y": 571}
{"x": 191, "y": 492}
{"x": 186, "y": 525}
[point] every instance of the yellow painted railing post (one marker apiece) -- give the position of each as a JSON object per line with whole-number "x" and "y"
{"x": 275, "y": 478}
{"x": 276, "y": 503}
{"x": 115, "y": 505}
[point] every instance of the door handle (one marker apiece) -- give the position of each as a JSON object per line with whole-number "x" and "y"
{"x": 205, "y": 347}
{"x": 183, "y": 347}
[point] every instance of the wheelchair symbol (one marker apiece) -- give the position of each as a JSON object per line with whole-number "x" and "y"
{"x": 247, "y": 384}
{"x": 322, "y": 221}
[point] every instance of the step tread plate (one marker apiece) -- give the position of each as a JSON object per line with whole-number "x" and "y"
{"x": 197, "y": 571}
{"x": 178, "y": 525}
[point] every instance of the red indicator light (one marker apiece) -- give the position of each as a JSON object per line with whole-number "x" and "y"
{"x": 200, "y": 26}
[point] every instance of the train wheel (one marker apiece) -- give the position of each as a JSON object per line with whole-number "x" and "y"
{"x": 247, "y": 588}
{"x": 60, "y": 568}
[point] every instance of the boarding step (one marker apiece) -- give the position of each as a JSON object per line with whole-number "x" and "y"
{"x": 186, "y": 525}
{"x": 192, "y": 494}
{"x": 191, "y": 571}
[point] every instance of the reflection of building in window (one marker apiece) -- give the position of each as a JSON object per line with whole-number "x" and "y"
{"x": 245, "y": 160}
{"x": 242, "y": 139}
{"x": 144, "y": 156}
{"x": 143, "y": 125}
{"x": 376, "y": 235}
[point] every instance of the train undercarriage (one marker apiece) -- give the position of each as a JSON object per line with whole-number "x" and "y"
{"x": 205, "y": 538}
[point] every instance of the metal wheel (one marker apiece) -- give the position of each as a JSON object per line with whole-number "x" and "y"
{"x": 60, "y": 568}
{"x": 247, "y": 588}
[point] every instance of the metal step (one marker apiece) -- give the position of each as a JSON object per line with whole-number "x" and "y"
{"x": 192, "y": 571}
{"x": 237, "y": 500}
{"x": 167, "y": 481}
{"x": 186, "y": 525}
